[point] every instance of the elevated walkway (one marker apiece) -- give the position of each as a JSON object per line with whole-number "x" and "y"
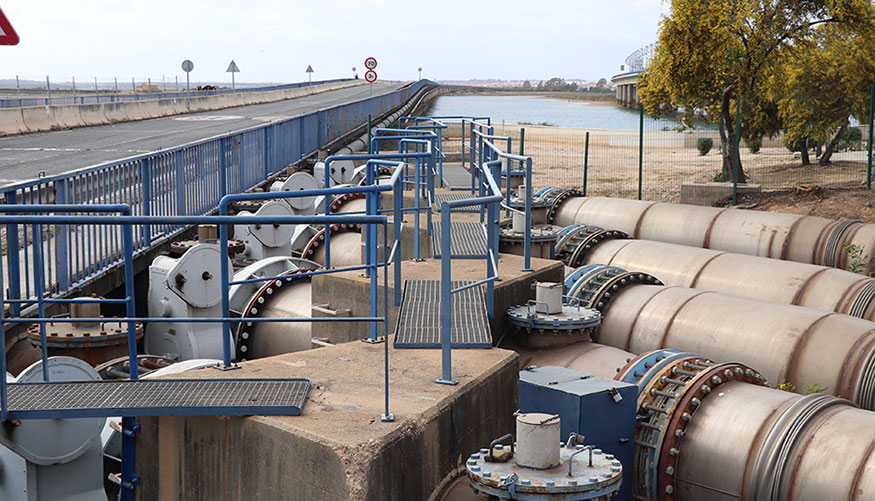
{"x": 419, "y": 318}
{"x": 467, "y": 240}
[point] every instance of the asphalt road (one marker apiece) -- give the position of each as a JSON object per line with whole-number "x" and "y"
{"x": 25, "y": 156}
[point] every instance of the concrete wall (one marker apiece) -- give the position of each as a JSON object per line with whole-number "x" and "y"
{"x": 337, "y": 449}
{"x": 45, "y": 118}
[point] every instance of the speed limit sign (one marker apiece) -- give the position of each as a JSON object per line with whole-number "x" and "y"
{"x": 370, "y": 76}
{"x": 370, "y": 63}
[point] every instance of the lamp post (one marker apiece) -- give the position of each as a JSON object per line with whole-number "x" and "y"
{"x": 420, "y": 72}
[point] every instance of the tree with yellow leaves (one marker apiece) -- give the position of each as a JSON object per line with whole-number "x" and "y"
{"x": 710, "y": 53}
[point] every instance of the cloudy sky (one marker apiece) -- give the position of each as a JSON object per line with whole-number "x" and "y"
{"x": 275, "y": 40}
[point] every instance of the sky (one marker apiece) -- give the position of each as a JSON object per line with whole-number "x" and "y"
{"x": 275, "y": 40}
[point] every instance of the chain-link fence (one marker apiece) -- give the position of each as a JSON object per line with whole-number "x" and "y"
{"x": 660, "y": 160}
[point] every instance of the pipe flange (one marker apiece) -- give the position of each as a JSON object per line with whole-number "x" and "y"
{"x": 342, "y": 199}
{"x": 865, "y": 395}
{"x": 382, "y": 170}
{"x": 540, "y": 199}
{"x": 559, "y": 200}
{"x": 246, "y": 330}
{"x": 598, "y": 284}
{"x": 696, "y": 389}
{"x": 70, "y": 336}
{"x": 541, "y": 233}
{"x": 578, "y": 244}
{"x": 319, "y": 238}
{"x": 571, "y": 236}
{"x": 570, "y": 318}
{"x": 835, "y": 241}
{"x": 180, "y": 246}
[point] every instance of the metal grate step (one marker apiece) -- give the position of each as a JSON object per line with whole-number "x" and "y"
{"x": 440, "y": 198}
{"x": 419, "y": 318}
{"x": 158, "y": 397}
{"x": 457, "y": 177}
{"x": 467, "y": 240}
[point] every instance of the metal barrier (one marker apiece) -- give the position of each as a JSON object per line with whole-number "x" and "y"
{"x": 185, "y": 180}
{"x": 487, "y": 174}
{"x": 97, "y": 98}
{"x": 442, "y": 122}
{"x": 33, "y": 215}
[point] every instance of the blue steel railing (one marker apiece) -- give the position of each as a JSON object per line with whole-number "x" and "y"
{"x": 97, "y": 98}
{"x": 126, "y": 223}
{"x": 483, "y": 154}
{"x": 443, "y": 123}
{"x": 185, "y": 180}
{"x": 487, "y": 172}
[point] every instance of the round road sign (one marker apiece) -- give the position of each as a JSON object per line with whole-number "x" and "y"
{"x": 187, "y": 65}
{"x": 370, "y": 63}
{"x": 371, "y": 76}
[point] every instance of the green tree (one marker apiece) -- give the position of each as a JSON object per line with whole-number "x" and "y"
{"x": 825, "y": 82}
{"x": 527, "y": 85}
{"x": 709, "y": 53}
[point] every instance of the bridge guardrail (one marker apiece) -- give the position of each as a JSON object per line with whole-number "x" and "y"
{"x": 185, "y": 180}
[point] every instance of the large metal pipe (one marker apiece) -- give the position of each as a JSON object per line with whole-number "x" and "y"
{"x": 790, "y": 344}
{"x": 804, "y": 239}
{"x": 813, "y": 286}
{"x": 712, "y": 431}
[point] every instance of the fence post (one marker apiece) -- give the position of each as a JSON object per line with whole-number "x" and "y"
{"x": 585, "y": 161}
{"x": 522, "y": 145}
{"x": 640, "y": 148}
{"x": 737, "y": 153}
{"x": 871, "y": 121}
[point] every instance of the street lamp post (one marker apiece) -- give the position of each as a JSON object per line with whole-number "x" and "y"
{"x": 420, "y": 72}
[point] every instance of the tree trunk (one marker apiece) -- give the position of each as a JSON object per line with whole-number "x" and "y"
{"x": 727, "y": 137}
{"x": 830, "y": 148}
{"x": 806, "y": 160}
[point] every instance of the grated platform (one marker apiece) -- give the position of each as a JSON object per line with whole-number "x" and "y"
{"x": 440, "y": 198}
{"x": 457, "y": 177}
{"x": 158, "y": 397}
{"x": 467, "y": 240}
{"x": 419, "y": 318}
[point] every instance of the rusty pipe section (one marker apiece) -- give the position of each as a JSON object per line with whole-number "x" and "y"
{"x": 790, "y": 344}
{"x": 804, "y": 239}
{"x": 813, "y": 286}
{"x": 715, "y": 431}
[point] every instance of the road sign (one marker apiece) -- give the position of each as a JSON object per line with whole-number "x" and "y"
{"x": 309, "y": 69}
{"x": 371, "y": 76}
{"x": 370, "y": 63}
{"x": 232, "y": 68}
{"x": 8, "y": 36}
{"x": 187, "y": 66}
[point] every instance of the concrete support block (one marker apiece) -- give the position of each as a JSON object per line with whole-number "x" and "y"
{"x": 709, "y": 193}
{"x": 337, "y": 449}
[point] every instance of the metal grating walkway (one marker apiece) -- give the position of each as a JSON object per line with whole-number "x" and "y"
{"x": 457, "y": 177}
{"x": 419, "y": 318}
{"x": 440, "y": 198}
{"x": 467, "y": 240}
{"x": 158, "y": 397}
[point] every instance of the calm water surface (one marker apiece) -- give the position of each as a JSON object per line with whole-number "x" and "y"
{"x": 535, "y": 110}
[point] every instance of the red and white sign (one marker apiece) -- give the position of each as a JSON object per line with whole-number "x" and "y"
{"x": 8, "y": 36}
{"x": 370, "y": 63}
{"x": 371, "y": 76}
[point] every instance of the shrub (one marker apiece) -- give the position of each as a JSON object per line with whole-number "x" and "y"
{"x": 721, "y": 177}
{"x": 852, "y": 139}
{"x": 754, "y": 144}
{"x": 704, "y": 145}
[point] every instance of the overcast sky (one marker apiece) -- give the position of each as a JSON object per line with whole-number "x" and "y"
{"x": 275, "y": 40}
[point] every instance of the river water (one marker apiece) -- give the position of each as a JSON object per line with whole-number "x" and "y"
{"x": 538, "y": 110}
